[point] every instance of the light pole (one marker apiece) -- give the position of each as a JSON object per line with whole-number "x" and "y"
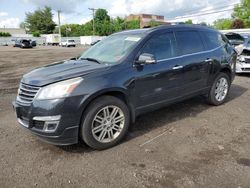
{"x": 59, "y": 23}
{"x": 93, "y": 12}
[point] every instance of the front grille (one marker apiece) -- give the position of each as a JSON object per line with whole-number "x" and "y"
{"x": 247, "y": 60}
{"x": 26, "y": 93}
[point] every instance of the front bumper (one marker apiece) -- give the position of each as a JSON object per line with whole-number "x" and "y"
{"x": 242, "y": 67}
{"x": 54, "y": 121}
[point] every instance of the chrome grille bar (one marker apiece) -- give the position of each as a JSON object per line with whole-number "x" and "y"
{"x": 26, "y": 93}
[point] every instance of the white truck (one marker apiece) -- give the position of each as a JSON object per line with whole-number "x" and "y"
{"x": 53, "y": 39}
{"x": 68, "y": 43}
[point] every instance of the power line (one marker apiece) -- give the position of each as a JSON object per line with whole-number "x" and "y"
{"x": 214, "y": 8}
{"x": 203, "y": 14}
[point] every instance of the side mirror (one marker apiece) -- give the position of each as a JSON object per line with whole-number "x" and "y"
{"x": 75, "y": 58}
{"x": 145, "y": 59}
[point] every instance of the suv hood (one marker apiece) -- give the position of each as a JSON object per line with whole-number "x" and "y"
{"x": 61, "y": 71}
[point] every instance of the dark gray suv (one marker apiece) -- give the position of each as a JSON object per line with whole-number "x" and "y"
{"x": 96, "y": 96}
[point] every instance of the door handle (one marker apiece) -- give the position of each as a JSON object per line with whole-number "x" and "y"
{"x": 210, "y": 61}
{"x": 176, "y": 67}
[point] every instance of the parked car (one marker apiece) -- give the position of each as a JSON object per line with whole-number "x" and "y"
{"x": 23, "y": 43}
{"x": 235, "y": 39}
{"x": 243, "y": 61}
{"x": 97, "y": 96}
{"x": 245, "y": 45}
{"x": 33, "y": 43}
{"x": 69, "y": 43}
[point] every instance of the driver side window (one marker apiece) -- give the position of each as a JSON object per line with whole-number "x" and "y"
{"x": 161, "y": 46}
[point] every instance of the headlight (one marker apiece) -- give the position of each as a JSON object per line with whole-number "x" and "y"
{"x": 241, "y": 59}
{"x": 59, "y": 89}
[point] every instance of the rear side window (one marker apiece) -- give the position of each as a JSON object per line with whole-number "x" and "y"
{"x": 161, "y": 46}
{"x": 213, "y": 40}
{"x": 188, "y": 42}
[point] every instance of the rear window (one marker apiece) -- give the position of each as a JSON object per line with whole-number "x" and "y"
{"x": 71, "y": 41}
{"x": 188, "y": 42}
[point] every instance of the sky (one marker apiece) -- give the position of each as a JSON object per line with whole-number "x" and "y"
{"x": 12, "y": 12}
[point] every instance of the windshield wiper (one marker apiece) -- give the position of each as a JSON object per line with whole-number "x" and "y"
{"x": 90, "y": 59}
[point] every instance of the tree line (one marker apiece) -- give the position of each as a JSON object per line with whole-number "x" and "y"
{"x": 41, "y": 22}
{"x": 240, "y": 17}
{"x": 4, "y": 34}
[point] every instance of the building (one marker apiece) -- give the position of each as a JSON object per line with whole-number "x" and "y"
{"x": 13, "y": 31}
{"x": 147, "y": 19}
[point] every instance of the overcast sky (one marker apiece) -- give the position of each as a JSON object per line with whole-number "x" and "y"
{"x": 12, "y": 12}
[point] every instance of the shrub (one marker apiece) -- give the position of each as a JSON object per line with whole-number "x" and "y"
{"x": 36, "y": 34}
{"x": 5, "y": 34}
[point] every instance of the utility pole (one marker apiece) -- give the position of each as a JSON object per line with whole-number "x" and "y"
{"x": 93, "y": 12}
{"x": 59, "y": 22}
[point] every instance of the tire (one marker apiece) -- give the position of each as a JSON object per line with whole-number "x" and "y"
{"x": 218, "y": 96}
{"x": 99, "y": 131}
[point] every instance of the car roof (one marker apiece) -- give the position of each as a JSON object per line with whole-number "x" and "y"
{"x": 165, "y": 27}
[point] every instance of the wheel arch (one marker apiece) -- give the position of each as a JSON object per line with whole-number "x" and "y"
{"x": 119, "y": 93}
{"x": 227, "y": 71}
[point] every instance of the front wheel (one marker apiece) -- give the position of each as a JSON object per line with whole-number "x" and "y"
{"x": 105, "y": 122}
{"x": 219, "y": 90}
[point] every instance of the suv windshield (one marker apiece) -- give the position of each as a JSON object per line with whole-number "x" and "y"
{"x": 113, "y": 48}
{"x": 71, "y": 41}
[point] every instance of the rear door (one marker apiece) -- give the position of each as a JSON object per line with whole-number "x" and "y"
{"x": 196, "y": 61}
{"x": 160, "y": 82}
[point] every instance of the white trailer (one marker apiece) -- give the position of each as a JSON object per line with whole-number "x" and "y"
{"x": 53, "y": 39}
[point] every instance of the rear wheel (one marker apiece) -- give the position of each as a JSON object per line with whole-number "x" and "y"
{"x": 105, "y": 122}
{"x": 219, "y": 90}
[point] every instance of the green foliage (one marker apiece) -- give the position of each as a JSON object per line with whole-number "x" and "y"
{"x": 154, "y": 23}
{"x": 36, "y": 34}
{"x": 40, "y": 20}
{"x": 133, "y": 24}
{"x": 101, "y": 15}
{"x": 240, "y": 17}
{"x": 189, "y": 21}
{"x": 5, "y": 34}
{"x": 223, "y": 24}
{"x": 242, "y": 12}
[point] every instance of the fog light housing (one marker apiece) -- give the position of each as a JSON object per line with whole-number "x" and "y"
{"x": 47, "y": 124}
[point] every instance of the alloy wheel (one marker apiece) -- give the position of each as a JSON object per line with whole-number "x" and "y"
{"x": 108, "y": 124}
{"x": 221, "y": 89}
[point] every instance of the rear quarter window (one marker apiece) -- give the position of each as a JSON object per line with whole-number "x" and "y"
{"x": 188, "y": 42}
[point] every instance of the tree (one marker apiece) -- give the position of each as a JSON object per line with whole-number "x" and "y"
{"x": 101, "y": 15}
{"x": 102, "y": 22}
{"x": 40, "y": 21}
{"x": 238, "y": 24}
{"x": 242, "y": 12}
{"x": 223, "y": 24}
{"x": 189, "y": 21}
